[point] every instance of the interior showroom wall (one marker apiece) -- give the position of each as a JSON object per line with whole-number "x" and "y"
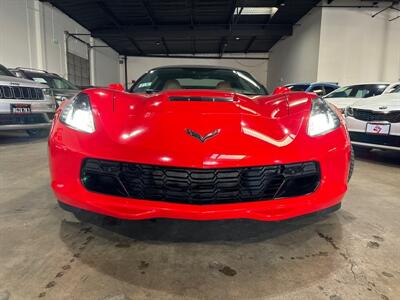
{"x": 35, "y": 38}
{"x": 335, "y": 44}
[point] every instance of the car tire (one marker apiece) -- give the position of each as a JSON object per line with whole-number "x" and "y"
{"x": 38, "y": 133}
{"x": 351, "y": 168}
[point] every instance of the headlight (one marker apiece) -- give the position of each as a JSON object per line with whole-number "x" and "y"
{"x": 78, "y": 114}
{"x": 349, "y": 111}
{"x": 46, "y": 92}
{"x": 323, "y": 119}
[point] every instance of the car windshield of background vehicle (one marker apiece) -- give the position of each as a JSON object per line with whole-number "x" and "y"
{"x": 5, "y": 72}
{"x": 358, "y": 91}
{"x": 53, "y": 82}
{"x": 298, "y": 87}
{"x": 198, "y": 78}
{"x": 395, "y": 89}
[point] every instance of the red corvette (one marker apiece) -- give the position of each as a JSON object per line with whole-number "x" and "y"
{"x": 199, "y": 143}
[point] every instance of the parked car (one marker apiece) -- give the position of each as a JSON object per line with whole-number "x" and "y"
{"x": 201, "y": 143}
{"x": 61, "y": 88}
{"x": 320, "y": 88}
{"x": 350, "y": 94}
{"x": 25, "y": 104}
{"x": 375, "y": 122}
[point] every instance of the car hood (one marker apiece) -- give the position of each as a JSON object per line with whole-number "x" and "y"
{"x": 342, "y": 102}
{"x": 197, "y": 128}
{"x": 10, "y": 80}
{"x": 386, "y": 102}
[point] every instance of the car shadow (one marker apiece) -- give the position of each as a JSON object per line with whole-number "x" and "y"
{"x": 18, "y": 137}
{"x": 382, "y": 157}
{"x": 187, "y": 231}
{"x": 234, "y": 259}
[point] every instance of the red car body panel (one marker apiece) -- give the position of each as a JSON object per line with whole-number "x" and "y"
{"x": 151, "y": 129}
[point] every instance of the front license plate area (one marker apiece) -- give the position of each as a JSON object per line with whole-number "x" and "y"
{"x": 378, "y": 128}
{"x": 21, "y": 109}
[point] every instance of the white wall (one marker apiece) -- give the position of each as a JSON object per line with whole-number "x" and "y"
{"x": 105, "y": 64}
{"x": 137, "y": 66}
{"x": 295, "y": 59}
{"x": 357, "y": 48}
{"x": 34, "y": 37}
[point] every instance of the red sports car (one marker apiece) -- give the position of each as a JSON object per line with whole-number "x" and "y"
{"x": 201, "y": 143}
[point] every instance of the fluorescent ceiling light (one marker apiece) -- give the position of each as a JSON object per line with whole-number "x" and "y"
{"x": 257, "y": 10}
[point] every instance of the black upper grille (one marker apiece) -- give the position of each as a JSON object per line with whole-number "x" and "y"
{"x": 199, "y": 186}
{"x": 14, "y": 119}
{"x": 368, "y": 115}
{"x": 20, "y": 92}
{"x": 386, "y": 140}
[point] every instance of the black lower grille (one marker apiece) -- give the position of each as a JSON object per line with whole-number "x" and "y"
{"x": 386, "y": 140}
{"x": 199, "y": 186}
{"x": 13, "y": 119}
{"x": 368, "y": 115}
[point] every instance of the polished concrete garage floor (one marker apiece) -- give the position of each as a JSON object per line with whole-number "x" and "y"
{"x": 50, "y": 254}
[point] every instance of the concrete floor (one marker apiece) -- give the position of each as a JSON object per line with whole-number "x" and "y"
{"x": 49, "y": 254}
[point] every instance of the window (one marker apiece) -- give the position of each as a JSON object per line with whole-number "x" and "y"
{"x": 329, "y": 89}
{"x": 318, "y": 89}
{"x": 78, "y": 70}
{"x": 358, "y": 91}
{"x": 5, "y": 72}
{"x": 53, "y": 81}
{"x": 198, "y": 78}
{"x": 394, "y": 89}
{"x": 298, "y": 87}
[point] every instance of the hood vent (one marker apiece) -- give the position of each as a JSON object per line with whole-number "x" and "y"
{"x": 200, "y": 99}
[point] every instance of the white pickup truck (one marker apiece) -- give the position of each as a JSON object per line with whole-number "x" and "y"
{"x": 25, "y": 104}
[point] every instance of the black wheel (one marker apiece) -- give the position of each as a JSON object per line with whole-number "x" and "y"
{"x": 351, "y": 168}
{"x": 38, "y": 133}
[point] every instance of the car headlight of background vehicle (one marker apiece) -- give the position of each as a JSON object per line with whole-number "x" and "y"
{"x": 78, "y": 114}
{"x": 349, "y": 111}
{"x": 323, "y": 118}
{"x": 46, "y": 92}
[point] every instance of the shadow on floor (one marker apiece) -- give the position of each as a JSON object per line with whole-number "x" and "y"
{"x": 176, "y": 231}
{"x": 18, "y": 137}
{"x": 227, "y": 259}
{"x": 382, "y": 157}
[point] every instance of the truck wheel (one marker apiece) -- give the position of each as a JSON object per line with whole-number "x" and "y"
{"x": 38, "y": 133}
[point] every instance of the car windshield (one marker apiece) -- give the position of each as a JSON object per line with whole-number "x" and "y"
{"x": 52, "y": 81}
{"x": 5, "y": 72}
{"x": 358, "y": 91}
{"x": 395, "y": 89}
{"x": 298, "y": 87}
{"x": 198, "y": 78}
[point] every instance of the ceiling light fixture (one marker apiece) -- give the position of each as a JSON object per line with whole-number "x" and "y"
{"x": 257, "y": 11}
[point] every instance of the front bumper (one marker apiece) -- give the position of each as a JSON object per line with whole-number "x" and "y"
{"x": 359, "y": 137}
{"x": 69, "y": 190}
{"x": 41, "y": 116}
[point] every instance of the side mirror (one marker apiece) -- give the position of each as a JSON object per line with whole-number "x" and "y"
{"x": 116, "y": 86}
{"x": 281, "y": 90}
{"x": 133, "y": 81}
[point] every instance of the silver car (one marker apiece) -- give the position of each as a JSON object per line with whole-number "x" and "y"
{"x": 25, "y": 104}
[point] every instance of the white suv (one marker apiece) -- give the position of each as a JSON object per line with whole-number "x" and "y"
{"x": 25, "y": 104}
{"x": 375, "y": 122}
